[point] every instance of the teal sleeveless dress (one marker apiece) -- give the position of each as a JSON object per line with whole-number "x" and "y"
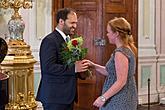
{"x": 126, "y": 98}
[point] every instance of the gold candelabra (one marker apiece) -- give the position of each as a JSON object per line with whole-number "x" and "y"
{"x": 16, "y": 31}
{"x": 19, "y": 62}
{"x": 16, "y": 5}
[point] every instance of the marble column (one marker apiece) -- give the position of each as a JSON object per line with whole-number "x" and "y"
{"x": 160, "y": 48}
{"x": 147, "y": 58}
{"x": 151, "y": 58}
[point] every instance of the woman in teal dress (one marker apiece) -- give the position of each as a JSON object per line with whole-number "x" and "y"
{"x": 119, "y": 90}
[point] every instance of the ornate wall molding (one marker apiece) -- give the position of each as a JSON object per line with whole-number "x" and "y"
{"x": 146, "y": 41}
{"x": 160, "y": 25}
{"x": 147, "y": 69}
{"x": 151, "y": 62}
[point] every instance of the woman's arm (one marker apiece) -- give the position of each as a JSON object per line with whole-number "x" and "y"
{"x": 121, "y": 66}
{"x": 98, "y": 68}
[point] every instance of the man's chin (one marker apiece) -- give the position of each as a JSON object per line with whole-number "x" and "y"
{"x": 72, "y": 33}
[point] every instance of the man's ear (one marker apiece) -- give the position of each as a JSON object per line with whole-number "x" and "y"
{"x": 61, "y": 21}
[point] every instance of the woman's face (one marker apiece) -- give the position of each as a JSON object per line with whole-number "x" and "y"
{"x": 111, "y": 35}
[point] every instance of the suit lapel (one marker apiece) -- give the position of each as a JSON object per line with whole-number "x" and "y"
{"x": 59, "y": 36}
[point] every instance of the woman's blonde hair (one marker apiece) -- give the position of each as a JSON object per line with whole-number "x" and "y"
{"x": 122, "y": 26}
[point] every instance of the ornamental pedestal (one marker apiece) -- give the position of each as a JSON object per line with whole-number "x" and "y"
{"x": 18, "y": 64}
{"x": 3, "y": 90}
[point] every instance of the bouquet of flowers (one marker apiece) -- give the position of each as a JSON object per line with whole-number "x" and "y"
{"x": 73, "y": 51}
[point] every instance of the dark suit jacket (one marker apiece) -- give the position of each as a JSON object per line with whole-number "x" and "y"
{"x": 58, "y": 82}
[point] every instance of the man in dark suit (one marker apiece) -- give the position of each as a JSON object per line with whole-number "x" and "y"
{"x": 57, "y": 89}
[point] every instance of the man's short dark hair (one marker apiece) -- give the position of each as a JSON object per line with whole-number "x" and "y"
{"x": 63, "y": 14}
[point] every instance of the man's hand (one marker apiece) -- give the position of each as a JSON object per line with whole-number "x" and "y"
{"x": 81, "y": 66}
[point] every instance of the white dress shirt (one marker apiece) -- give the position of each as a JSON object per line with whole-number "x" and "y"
{"x": 62, "y": 34}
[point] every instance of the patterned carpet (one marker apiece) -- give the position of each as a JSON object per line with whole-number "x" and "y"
{"x": 140, "y": 107}
{"x": 152, "y": 107}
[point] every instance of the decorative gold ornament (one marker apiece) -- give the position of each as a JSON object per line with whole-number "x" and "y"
{"x": 16, "y": 5}
{"x": 19, "y": 62}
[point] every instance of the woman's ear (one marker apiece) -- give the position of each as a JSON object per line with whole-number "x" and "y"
{"x": 117, "y": 33}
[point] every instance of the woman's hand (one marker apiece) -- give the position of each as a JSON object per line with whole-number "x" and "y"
{"x": 90, "y": 63}
{"x": 98, "y": 102}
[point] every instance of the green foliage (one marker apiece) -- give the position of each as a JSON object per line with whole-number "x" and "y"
{"x": 73, "y": 51}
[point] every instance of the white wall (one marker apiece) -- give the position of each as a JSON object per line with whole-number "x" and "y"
{"x": 151, "y": 58}
{"x": 38, "y": 23}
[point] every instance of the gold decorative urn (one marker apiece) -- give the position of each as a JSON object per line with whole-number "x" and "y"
{"x": 19, "y": 62}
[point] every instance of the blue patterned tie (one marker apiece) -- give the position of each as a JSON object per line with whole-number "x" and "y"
{"x": 67, "y": 38}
